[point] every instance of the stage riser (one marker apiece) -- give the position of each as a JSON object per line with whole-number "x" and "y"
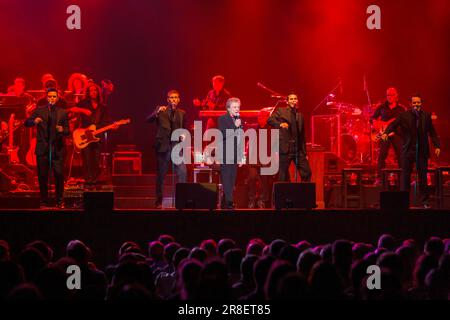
{"x": 140, "y": 180}
{"x": 140, "y": 191}
{"x": 141, "y": 203}
{"x": 371, "y": 197}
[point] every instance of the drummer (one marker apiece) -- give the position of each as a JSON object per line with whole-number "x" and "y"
{"x": 384, "y": 113}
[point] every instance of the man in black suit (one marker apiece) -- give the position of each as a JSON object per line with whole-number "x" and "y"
{"x": 228, "y": 124}
{"x": 292, "y": 139}
{"x": 168, "y": 119}
{"x": 416, "y": 126}
{"x": 52, "y": 127}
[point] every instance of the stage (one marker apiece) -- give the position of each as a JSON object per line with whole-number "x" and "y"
{"x": 104, "y": 230}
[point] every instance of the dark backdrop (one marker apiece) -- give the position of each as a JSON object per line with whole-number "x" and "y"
{"x": 148, "y": 47}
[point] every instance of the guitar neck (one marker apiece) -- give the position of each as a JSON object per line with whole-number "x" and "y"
{"x": 11, "y": 131}
{"x": 103, "y": 129}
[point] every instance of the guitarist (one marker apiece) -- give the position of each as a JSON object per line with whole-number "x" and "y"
{"x": 92, "y": 111}
{"x": 52, "y": 127}
{"x": 388, "y": 112}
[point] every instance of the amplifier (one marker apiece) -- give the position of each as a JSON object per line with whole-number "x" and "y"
{"x": 127, "y": 162}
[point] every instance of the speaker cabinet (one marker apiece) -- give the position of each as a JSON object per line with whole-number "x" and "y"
{"x": 98, "y": 200}
{"x": 287, "y": 195}
{"x": 196, "y": 196}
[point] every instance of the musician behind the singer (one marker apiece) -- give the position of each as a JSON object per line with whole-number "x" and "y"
{"x": 228, "y": 124}
{"x": 92, "y": 111}
{"x": 215, "y": 99}
{"x": 52, "y": 126}
{"x": 168, "y": 119}
{"x": 292, "y": 139}
{"x": 383, "y": 115}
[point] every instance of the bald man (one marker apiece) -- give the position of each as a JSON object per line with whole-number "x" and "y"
{"x": 387, "y": 112}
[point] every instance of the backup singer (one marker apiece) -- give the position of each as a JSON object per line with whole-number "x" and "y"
{"x": 52, "y": 127}
{"x": 292, "y": 139}
{"x": 168, "y": 119}
{"x": 416, "y": 126}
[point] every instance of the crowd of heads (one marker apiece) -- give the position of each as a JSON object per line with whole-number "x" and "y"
{"x": 222, "y": 270}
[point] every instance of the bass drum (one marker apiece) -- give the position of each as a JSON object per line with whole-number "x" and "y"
{"x": 355, "y": 148}
{"x": 349, "y": 148}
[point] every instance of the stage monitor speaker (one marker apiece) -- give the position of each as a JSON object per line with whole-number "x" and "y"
{"x": 287, "y": 195}
{"x": 398, "y": 200}
{"x": 98, "y": 200}
{"x": 196, "y": 196}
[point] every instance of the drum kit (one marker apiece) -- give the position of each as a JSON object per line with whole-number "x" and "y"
{"x": 354, "y": 132}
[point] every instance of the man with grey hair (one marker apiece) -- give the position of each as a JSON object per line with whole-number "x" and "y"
{"x": 229, "y": 125}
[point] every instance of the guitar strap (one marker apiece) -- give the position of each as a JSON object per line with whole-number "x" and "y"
{"x": 97, "y": 115}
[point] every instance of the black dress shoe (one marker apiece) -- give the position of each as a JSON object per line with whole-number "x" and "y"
{"x": 261, "y": 204}
{"x": 230, "y": 205}
{"x": 60, "y": 205}
{"x": 44, "y": 205}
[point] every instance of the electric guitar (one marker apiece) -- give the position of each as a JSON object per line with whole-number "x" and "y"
{"x": 82, "y": 137}
{"x": 378, "y": 128}
{"x": 30, "y": 158}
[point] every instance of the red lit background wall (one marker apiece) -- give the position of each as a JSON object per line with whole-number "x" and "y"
{"x": 149, "y": 47}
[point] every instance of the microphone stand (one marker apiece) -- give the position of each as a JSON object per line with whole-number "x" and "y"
{"x": 171, "y": 117}
{"x": 326, "y": 97}
{"x": 366, "y": 89}
{"x": 273, "y": 93}
{"x": 296, "y": 146}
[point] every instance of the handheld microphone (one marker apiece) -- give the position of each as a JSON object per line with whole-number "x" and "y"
{"x": 237, "y": 116}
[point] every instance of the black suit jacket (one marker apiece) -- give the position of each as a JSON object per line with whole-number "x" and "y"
{"x": 46, "y": 132}
{"x": 406, "y": 121}
{"x": 166, "y": 125}
{"x": 99, "y": 116}
{"x": 225, "y": 123}
{"x": 287, "y": 138}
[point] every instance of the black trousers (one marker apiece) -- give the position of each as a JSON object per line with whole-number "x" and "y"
{"x": 301, "y": 164}
{"x": 91, "y": 162}
{"x": 43, "y": 168}
{"x": 408, "y": 162}
{"x": 253, "y": 177}
{"x": 394, "y": 141}
{"x": 163, "y": 162}
{"x": 228, "y": 173}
